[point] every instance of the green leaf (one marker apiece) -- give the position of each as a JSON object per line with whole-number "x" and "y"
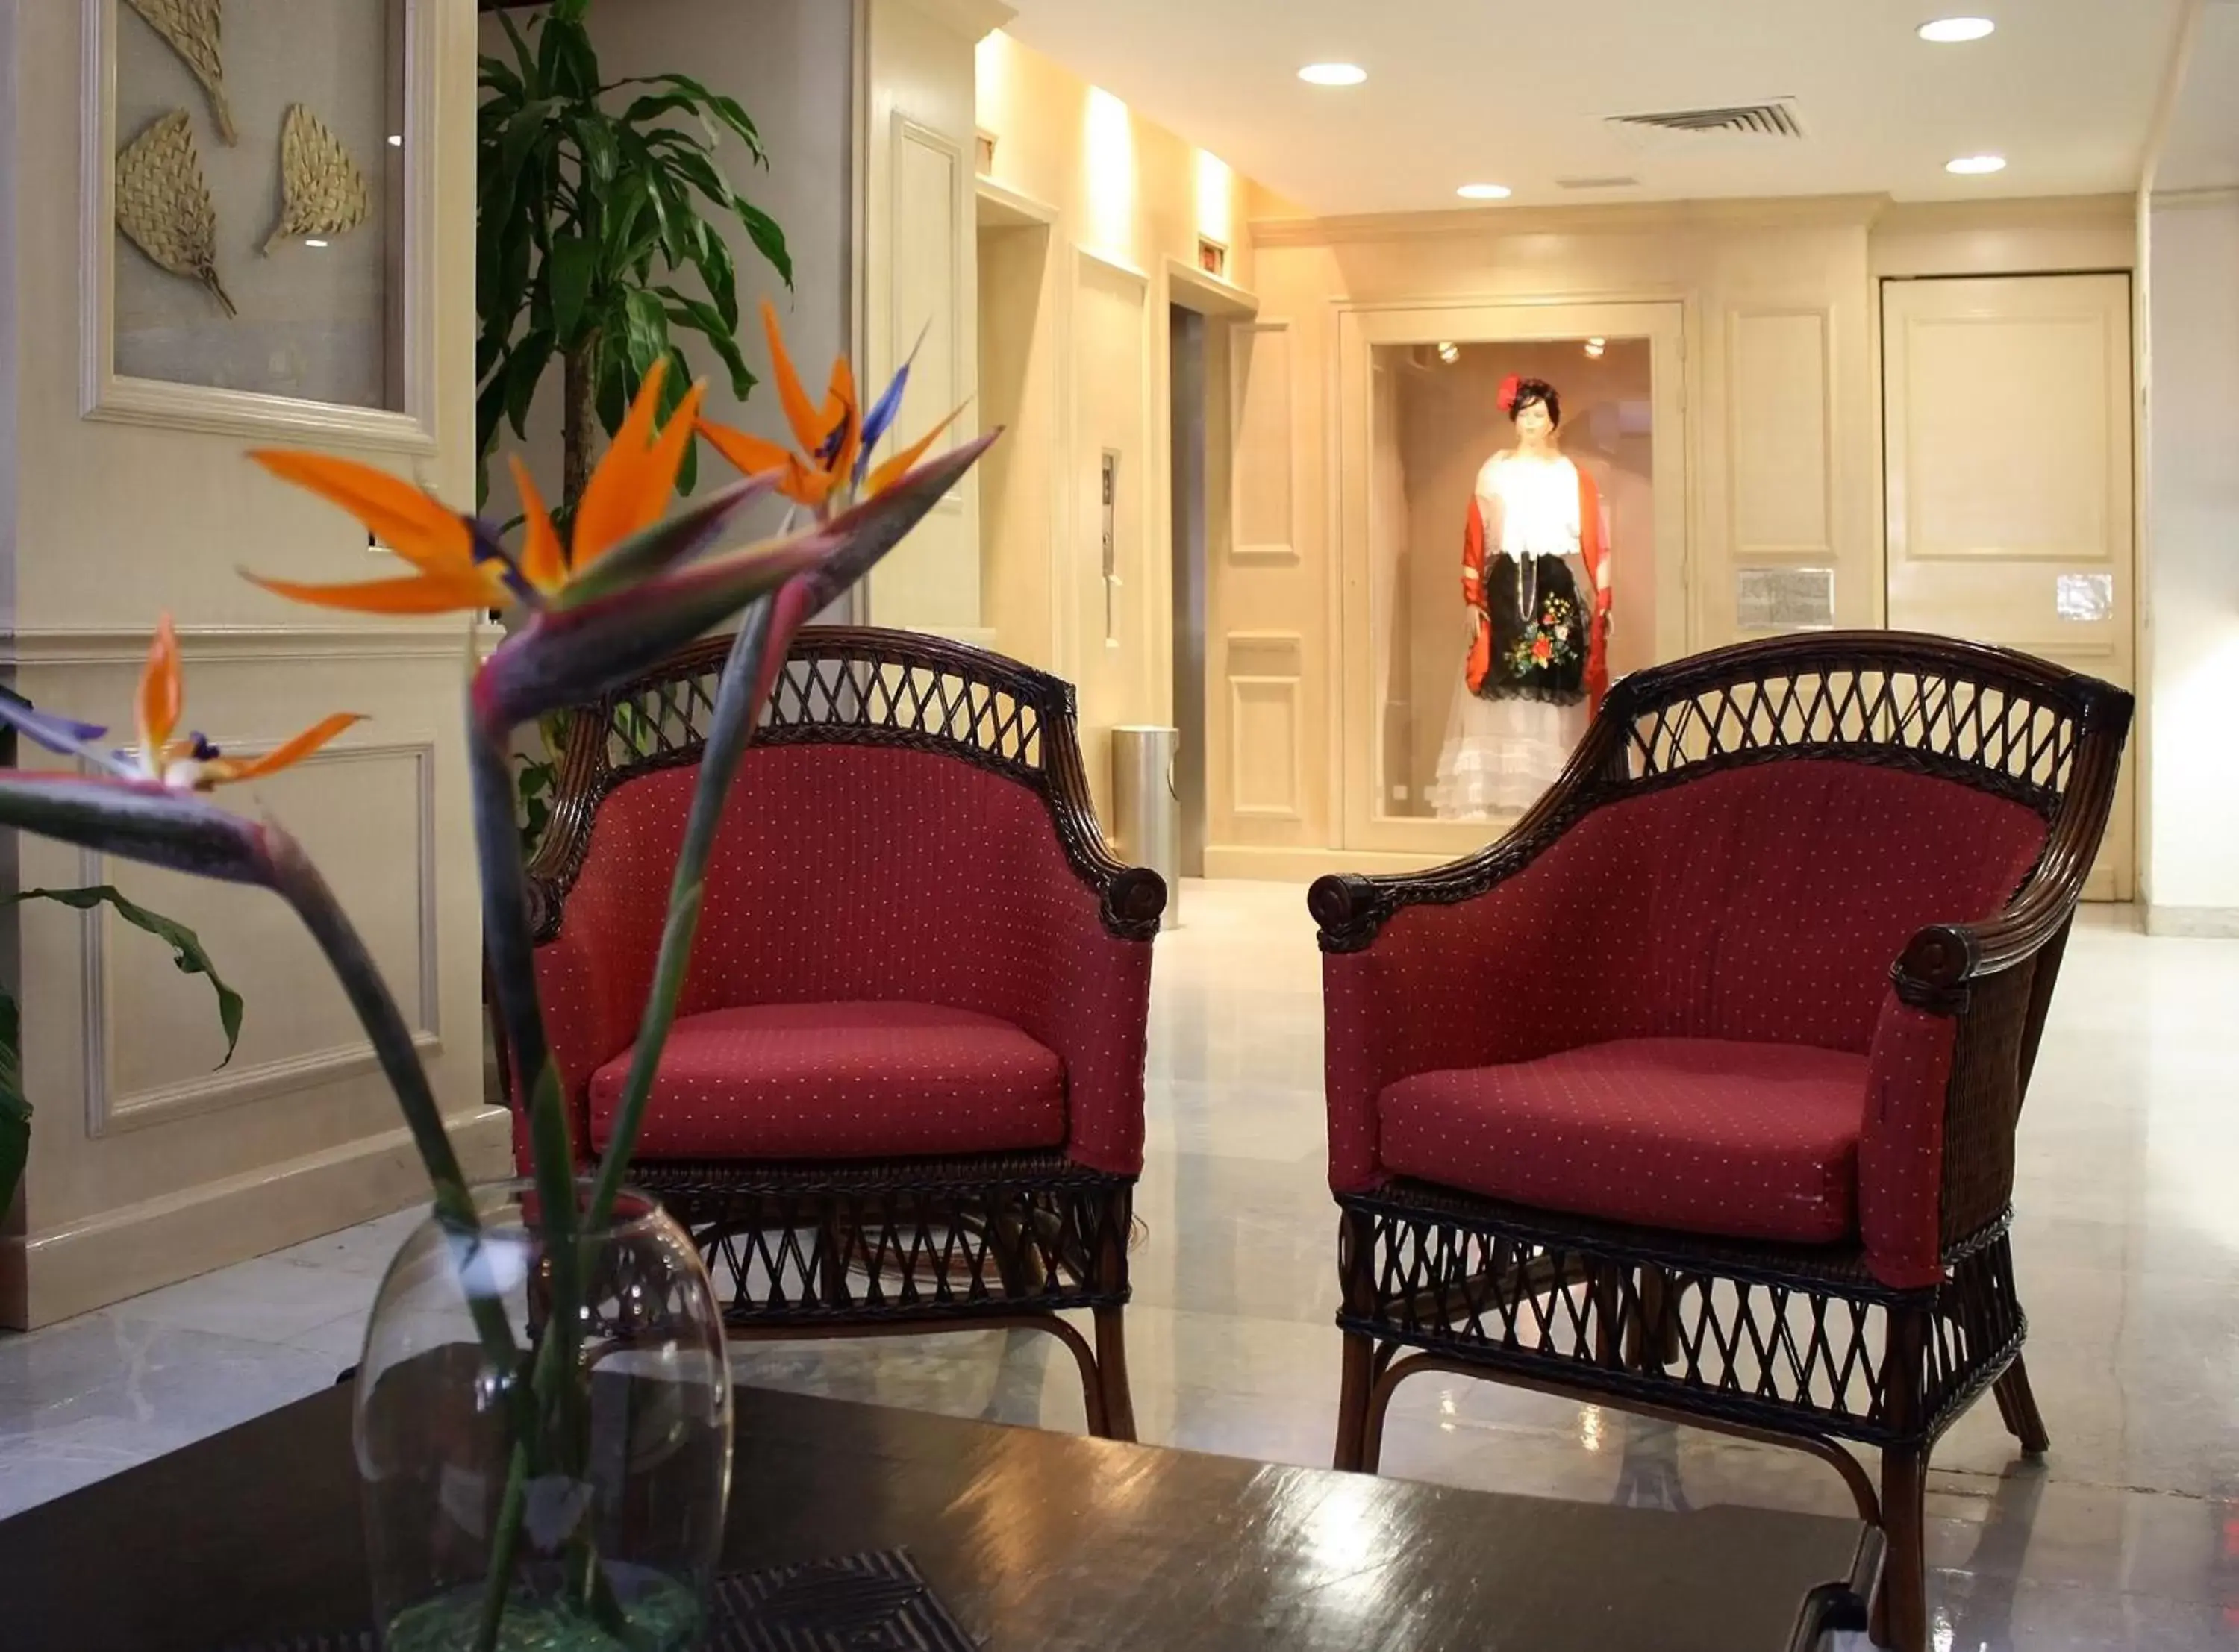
{"x": 14, "y": 1105}
{"x": 768, "y": 238}
{"x": 573, "y": 267}
{"x": 649, "y": 332}
{"x": 696, "y": 316}
{"x": 187, "y": 953}
{"x": 726, "y": 110}
{"x": 524, "y": 372}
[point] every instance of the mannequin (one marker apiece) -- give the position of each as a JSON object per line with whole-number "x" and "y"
{"x": 1535, "y": 586}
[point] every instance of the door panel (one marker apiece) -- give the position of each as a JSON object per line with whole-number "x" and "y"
{"x": 2007, "y": 433}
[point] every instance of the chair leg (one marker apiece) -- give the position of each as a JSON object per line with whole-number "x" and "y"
{"x": 1112, "y": 1374}
{"x": 1900, "y": 1615}
{"x": 1358, "y": 1385}
{"x": 2018, "y": 1407}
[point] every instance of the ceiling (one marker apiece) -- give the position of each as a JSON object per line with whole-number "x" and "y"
{"x": 1515, "y": 92}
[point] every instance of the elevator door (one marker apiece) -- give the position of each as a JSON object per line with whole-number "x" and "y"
{"x": 2007, "y": 433}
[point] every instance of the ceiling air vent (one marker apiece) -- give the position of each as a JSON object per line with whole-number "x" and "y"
{"x": 1620, "y": 181}
{"x": 1774, "y": 119}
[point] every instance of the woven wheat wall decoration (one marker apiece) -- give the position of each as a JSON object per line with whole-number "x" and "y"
{"x": 163, "y": 203}
{"x": 322, "y": 191}
{"x": 191, "y": 27}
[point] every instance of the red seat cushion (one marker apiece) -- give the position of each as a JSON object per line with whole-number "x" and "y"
{"x": 1706, "y": 1135}
{"x": 853, "y": 1080}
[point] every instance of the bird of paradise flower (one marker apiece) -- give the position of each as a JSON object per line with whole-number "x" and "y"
{"x": 631, "y": 586}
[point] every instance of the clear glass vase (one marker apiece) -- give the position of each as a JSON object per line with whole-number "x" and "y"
{"x": 521, "y": 1492}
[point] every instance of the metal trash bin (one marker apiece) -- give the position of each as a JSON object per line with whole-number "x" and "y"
{"x": 1146, "y": 807}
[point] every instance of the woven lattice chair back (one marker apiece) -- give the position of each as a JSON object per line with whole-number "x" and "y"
{"x": 842, "y": 686}
{"x": 2000, "y": 721}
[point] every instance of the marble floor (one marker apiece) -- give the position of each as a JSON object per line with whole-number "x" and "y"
{"x": 2126, "y": 1244}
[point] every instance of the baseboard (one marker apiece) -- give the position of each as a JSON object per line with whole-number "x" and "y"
{"x": 1304, "y": 866}
{"x": 106, "y": 1258}
{"x": 2199, "y": 923}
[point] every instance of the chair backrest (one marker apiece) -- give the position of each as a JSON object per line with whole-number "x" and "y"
{"x": 1747, "y": 841}
{"x": 898, "y": 786}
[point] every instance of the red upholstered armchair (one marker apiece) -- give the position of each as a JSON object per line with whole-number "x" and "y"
{"x": 905, "y": 1088}
{"x": 1696, "y": 1094}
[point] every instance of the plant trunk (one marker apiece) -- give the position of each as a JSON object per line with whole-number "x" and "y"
{"x": 582, "y": 389}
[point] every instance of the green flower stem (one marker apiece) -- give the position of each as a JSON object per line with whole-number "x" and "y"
{"x": 725, "y": 748}
{"x": 301, "y": 885}
{"x": 504, "y": 1550}
{"x": 557, "y": 1397}
{"x": 505, "y": 935}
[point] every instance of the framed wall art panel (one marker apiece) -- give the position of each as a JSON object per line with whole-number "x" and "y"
{"x": 259, "y": 182}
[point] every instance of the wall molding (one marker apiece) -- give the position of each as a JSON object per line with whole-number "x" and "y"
{"x": 111, "y": 645}
{"x": 105, "y": 394}
{"x": 2197, "y": 923}
{"x": 2224, "y": 194}
{"x": 1736, "y": 322}
{"x": 1242, "y": 548}
{"x": 105, "y": 1257}
{"x": 108, "y": 1113}
{"x": 908, "y": 134}
{"x": 1209, "y": 294}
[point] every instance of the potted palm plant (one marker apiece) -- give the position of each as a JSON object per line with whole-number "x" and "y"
{"x": 602, "y": 210}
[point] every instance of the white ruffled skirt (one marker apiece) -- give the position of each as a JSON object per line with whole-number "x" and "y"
{"x": 1501, "y": 754}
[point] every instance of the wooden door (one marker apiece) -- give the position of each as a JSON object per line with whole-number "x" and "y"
{"x": 2007, "y": 410}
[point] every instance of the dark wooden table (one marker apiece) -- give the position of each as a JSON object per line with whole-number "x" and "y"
{"x": 1034, "y": 1540}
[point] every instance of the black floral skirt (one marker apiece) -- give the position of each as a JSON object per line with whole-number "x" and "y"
{"x": 1541, "y": 631}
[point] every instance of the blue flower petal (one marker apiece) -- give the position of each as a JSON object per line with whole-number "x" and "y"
{"x": 883, "y": 416}
{"x": 64, "y": 735}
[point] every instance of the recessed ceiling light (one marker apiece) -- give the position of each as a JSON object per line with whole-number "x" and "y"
{"x": 396, "y": 140}
{"x": 1596, "y": 348}
{"x": 313, "y": 241}
{"x": 1449, "y": 353}
{"x": 1952, "y": 32}
{"x": 1484, "y": 192}
{"x": 1968, "y": 166}
{"x": 1333, "y": 74}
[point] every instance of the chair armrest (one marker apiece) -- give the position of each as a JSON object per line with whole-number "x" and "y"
{"x": 1437, "y": 986}
{"x": 1952, "y": 1053}
{"x": 1068, "y": 958}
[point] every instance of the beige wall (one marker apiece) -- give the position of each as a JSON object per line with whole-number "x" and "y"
{"x": 2192, "y": 573}
{"x": 146, "y": 1165}
{"x": 1077, "y": 310}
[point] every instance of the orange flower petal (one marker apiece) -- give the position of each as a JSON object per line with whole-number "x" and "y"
{"x": 808, "y": 429}
{"x": 656, "y": 478}
{"x": 420, "y": 528}
{"x": 543, "y": 563}
{"x": 905, "y": 461}
{"x": 844, "y": 413}
{"x": 605, "y": 515}
{"x": 161, "y": 695}
{"x": 755, "y": 455}
{"x": 422, "y": 593}
{"x": 750, "y": 454}
{"x": 224, "y": 771}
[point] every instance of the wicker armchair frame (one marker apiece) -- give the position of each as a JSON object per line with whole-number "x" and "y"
{"x": 854, "y": 1248}
{"x": 1799, "y": 1346}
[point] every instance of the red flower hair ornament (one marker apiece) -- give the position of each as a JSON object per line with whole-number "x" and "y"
{"x": 1509, "y": 387}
